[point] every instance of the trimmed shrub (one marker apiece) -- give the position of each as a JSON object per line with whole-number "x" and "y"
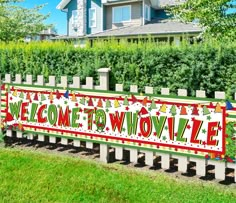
{"x": 211, "y": 67}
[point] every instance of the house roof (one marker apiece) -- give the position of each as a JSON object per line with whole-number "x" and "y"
{"x": 62, "y": 4}
{"x": 154, "y": 28}
{"x": 163, "y": 3}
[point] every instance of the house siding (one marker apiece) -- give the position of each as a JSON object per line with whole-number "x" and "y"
{"x": 99, "y": 25}
{"x": 136, "y": 15}
{"x": 71, "y": 6}
{"x": 79, "y": 5}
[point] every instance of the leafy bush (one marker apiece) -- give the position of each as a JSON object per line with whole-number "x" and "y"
{"x": 209, "y": 66}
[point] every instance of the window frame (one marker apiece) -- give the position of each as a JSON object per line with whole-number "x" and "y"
{"x": 149, "y": 12}
{"x": 122, "y": 21}
{"x": 73, "y": 22}
{"x": 95, "y": 18}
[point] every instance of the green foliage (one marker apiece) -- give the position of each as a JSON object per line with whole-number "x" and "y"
{"x": 213, "y": 15}
{"x": 17, "y": 22}
{"x": 211, "y": 67}
{"x": 231, "y": 140}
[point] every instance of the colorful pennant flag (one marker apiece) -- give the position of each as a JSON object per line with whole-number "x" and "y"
{"x": 218, "y": 108}
{"x": 229, "y": 106}
{"x": 66, "y": 94}
{"x": 116, "y": 103}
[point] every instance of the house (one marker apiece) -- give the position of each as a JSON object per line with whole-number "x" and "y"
{"x": 43, "y": 35}
{"x": 92, "y": 19}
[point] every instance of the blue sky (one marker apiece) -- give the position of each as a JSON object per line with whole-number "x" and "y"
{"x": 57, "y": 17}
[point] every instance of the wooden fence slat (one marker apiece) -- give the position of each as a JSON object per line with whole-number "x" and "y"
{"x": 148, "y": 157}
{"x": 219, "y": 169}
{"x": 89, "y": 145}
{"x": 219, "y": 95}
{"x": 19, "y": 134}
{"x": 76, "y": 143}
{"x": 200, "y": 166}
{"x": 52, "y": 81}
{"x": 64, "y": 141}
{"x": 165, "y": 160}
{"x": 119, "y": 153}
{"x": 41, "y": 138}
{"x": 148, "y": 90}
{"x": 119, "y": 88}
{"x": 104, "y": 153}
{"x": 201, "y": 93}
{"x": 182, "y": 92}
{"x": 182, "y": 163}
{"x": 133, "y": 155}
{"x": 165, "y": 91}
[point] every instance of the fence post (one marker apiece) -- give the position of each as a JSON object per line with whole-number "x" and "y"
{"x": 103, "y": 78}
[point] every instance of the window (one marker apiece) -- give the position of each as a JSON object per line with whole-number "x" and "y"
{"x": 75, "y": 18}
{"x": 92, "y": 17}
{"x": 147, "y": 13}
{"x": 121, "y": 14}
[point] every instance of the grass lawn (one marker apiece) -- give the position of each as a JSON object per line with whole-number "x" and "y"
{"x": 27, "y": 176}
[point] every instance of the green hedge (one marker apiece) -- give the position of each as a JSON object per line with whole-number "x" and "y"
{"x": 211, "y": 67}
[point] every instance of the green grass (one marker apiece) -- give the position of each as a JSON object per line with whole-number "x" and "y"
{"x": 27, "y": 176}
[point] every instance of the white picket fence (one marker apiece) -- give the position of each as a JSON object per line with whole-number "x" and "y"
{"x": 105, "y": 149}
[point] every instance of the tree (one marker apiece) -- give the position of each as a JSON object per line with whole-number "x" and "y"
{"x": 213, "y": 16}
{"x": 17, "y": 22}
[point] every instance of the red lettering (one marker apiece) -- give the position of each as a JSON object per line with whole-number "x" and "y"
{"x": 64, "y": 118}
{"x": 171, "y": 125}
{"x": 117, "y": 120}
{"x": 195, "y": 131}
{"x": 145, "y": 126}
{"x": 40, "y": 112}
{"x": 211, "y": 132}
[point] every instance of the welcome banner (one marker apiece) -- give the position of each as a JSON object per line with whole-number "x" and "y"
{"x": 183, "y": 126}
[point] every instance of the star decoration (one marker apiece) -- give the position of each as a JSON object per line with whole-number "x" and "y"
{"x": 107, "y": 110}
{"x": 80, "y": 125}
{"x": 155, "y": 133}
{"x": 127, "y": 108}
{"x": 176, "y": 134}
{"x": 164, "y": 138}
{"x": 208, "y": 118}
{"x": 81, "y": 110}
{"x": 204, "y": 143}
{"x": 123, "y": 129}
{"x": 84, "y": 118}
{"x": 158, "y": 113}
{"x": 203, "y": 131}
{"x": 219, "y": 128}
{"x": 193, "y": 119}
{"x": 166, "y": 128}
{"x": 107, "y": 129}
{"x": 189, "y": 126}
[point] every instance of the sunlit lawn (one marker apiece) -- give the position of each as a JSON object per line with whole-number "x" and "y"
{"x": 27, "y": 176}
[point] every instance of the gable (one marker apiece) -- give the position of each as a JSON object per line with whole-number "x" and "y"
{"x": 63, "y": 4}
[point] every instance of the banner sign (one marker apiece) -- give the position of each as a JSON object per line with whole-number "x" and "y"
{"x": 181, "y": 126}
